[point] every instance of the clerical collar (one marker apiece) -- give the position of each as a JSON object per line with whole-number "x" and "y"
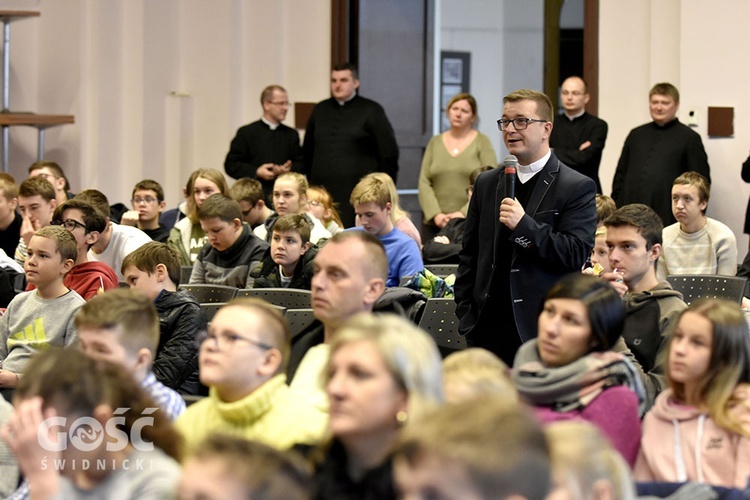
{"x": 577, "y": 115}
{"x": 526, "y": 172}
{"x": 272, "y": 126}
{"x": 341, "y": 103}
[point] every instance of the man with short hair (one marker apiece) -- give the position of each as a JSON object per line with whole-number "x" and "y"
{"x": 515, "y": 249}
{"x": 578, "y": 137}
{"x": 695, "y": 244}
{"x": 656, "y": 153}
{"x": 347, "y": 137}
{"x": 634, "y": 238}
{"x": 267, "y": 148}
{"x": 55, "y": 175}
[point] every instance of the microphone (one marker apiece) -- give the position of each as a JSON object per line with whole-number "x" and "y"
{"x": 510, "y": 163}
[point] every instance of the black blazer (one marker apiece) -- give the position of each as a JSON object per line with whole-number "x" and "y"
{"x": 553, "y": 239}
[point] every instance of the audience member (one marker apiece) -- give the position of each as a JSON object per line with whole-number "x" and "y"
{"x": 227, "y": 467}
{"x": 347, "y": 137}
{"x": 242, "y": 361}
{"x": 148, "y": 204}
{"x": 349, "y": 277}
{"x": 651, "y": 306}
{"x": 55, "y": 175}
{"x": 605, "y": 206}
{"x": 154, "y": 269}
{"x": 232, "y": 251}
{"x": 37, "y": 203}
{"x": 448, "y": 161}
{"x": 267, "y": 148}
{"x": 187, "y": 236}
{"x": 656, "y": 153}
{"x": 569, "y": 373}
{"x": 402, "y": 385}
{"x": 320, "y": 204}
{"x": 400, "y": 217}
{"x": 599, "y": 260}
{"x": 116, "y": 241}
{"x": 372, "y": 203}
{"x": 578, "y": 137}
{"x": 695, "y": 244}
{"x": 290, "y": 197}
{"x": 41, "y": 318}
{"x": 446, "y": 245}
{"x": 10, "y": 219}
{"x": 545, "y": 232}
{"x": 249, "y": 194}
{"x": 476, "y": 372}
{"x": 288, "y": 264}
{"x": 122, "y": 327}
{"x": 698, "y": 429}
{"x": 72, "y": 387}
{"x": 479, "y": 449}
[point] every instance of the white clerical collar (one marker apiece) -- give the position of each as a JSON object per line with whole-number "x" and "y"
{"x": 272, "y": 126}
{"x": 526, "y": 172}
{"x": 577, "y": 115}
{"x": 341, "y": 103}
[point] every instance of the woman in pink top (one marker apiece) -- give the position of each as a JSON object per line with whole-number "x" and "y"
{"x": 568, "y": 372}
{"x": 699, "y": 428}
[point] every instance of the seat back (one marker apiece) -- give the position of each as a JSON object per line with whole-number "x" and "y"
{"x": 185, "y": 272}
{"x": 299, "y": 320}
{"x": 440, "y": 321}
{"x": 211, "y": 308}
{"x": 708, "y": 286}
{"x": 442, "y": 270}
{"x": 290, "y": 298}
{"x": 207, "y": 294}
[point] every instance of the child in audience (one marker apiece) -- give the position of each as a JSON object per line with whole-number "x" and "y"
{"x": 290, "y": 197}
{"x": 289, "y": 263}
{"x": 53, "y": 172}
{"x": 148, "y": 204}
{"x": 228, "y": 467}
{"x": 399, "y": 216}
{"x": 36, "y": 320}
{"x": 698, "y": 429}
{"x": 232, "y": 250}
{"x": 187, "y": 236}
{"x": 134, "y": 461}
{"x": 10, "y": 220}
{"x": 86, "y": 225}
{"x": 154, "y": 269}
{"x": 476, "y": 372}
{"x": 122, "y": 327}
{"x": 320, "y": 204}
{"x": 37, "y": 203}
{"x": 371, "y": 199}
{"x": 605, "y": 206}
{"x": 249, "y": 194}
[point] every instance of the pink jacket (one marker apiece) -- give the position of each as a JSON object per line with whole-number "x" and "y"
{"x": 682, "y": 444}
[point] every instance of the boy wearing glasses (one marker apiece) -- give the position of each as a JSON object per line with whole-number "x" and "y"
{"x": 242, "y": 359}
{"x": 148, "y": 204}
{"x": 87, "y": 278}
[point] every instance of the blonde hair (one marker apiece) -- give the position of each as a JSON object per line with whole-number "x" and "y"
{"x": 322, "y": 196}
{"x": 300, "y": 182}
{"x": 578, "y": 449}
{"x": 397, "y": 213}
{"x": 476, "y": 372}
{"x": 210, "y": 174}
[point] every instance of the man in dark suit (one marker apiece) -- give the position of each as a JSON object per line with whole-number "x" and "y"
{"x": 547, "y": 231}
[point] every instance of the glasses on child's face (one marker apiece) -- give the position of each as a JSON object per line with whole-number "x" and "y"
{"x": 314, "y": 203}
{"x": 69, "y": 224}
{"x": 147, "y": 200}
{"x": 226, "y": 341}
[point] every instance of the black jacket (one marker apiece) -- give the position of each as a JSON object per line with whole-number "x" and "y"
{"x": 333, "y": 481}
{"x": 180, "y": 320}
{"x": 266, "y": 272}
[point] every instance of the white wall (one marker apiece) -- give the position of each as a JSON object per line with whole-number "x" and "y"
{"x": 701, "y": 48}
{"x": 158, "y": 88}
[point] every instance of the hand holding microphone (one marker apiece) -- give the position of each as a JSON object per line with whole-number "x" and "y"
{"x": 511, "y": 211}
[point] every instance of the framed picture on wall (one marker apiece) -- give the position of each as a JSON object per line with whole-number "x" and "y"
{"x": 454, "y": 79}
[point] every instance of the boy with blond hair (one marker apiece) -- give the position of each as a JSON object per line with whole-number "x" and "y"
{"x": 232, "y": 250}
{"x": 289, "y": 263}
{"x": 43, "y": 317}
{"x": 122, "y": 327}
{"x": 154, "y": 269}
{"x": 371, "y": 200}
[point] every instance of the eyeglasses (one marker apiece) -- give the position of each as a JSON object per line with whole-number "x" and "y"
{"x": 314, "y": 203}
{"x": 69, "y": 224}
{"x": 49, "y": 177}
{"x": 225, "y": 341}
{"x": 279, "y": 103}
{"x": 245, "y": 213}
{"x": 518, "y": 123}
{"x": 147, "y": 200}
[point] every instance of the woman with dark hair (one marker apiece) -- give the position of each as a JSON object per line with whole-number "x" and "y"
{"x": 568, "y": 372}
